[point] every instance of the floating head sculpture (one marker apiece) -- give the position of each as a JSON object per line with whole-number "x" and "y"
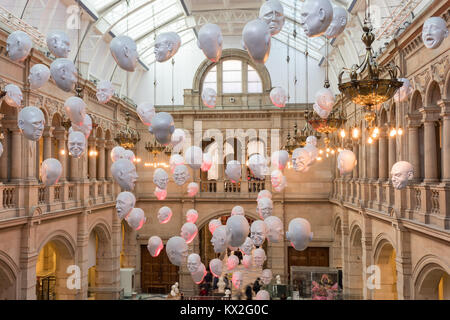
{"x": 258, "y": 165}
{"x": 279, "y": 97}
{"x": 258, "y": 232}
{"x": 233, "y": 171}
{"x": 210, "y": 40}
{"x": 299, "y": 233}
{"x": 219, "y": 239}
{"x": 279, "y": 159}
{"x": 434, "y": 32}
{"x": 282, "y": 185}
{"x": 207, "y": 162}
{"x": 164, "y": 215}
{"x": 256, "y": 39}
{"x": 177, "y": 139}
{"x": 316, "y": 16}
{"x": 1, "y": 149}
{"x": 136, "y": 218}
{"x": 237, "y": 279}
{"x": 64, "y": 73}
{"x": 188, "y": 232}
{"x": 129, "y": 155}
{"x": 58, "y": 43}
{"x": 338, "y": 23}
{"x": 18, "y": 46}
{"x": 117, "y": 153}
{"x": 199, "y": 274}
{"x": 404, "y": 92}
{"x": 276, "y": 178}
{"x": 181, "y": 175}
{"x": 237, "y": 230}
{"x": 272, "y": 13}
{"x": 124, "y": 172}
{"x": 175, "y": 160}
{"x": 31, "y": 122}
{"x": 232, "y": 262}
{"x": 154, "y": 246}
{"x": 13, "y": 95}
{"x": 124, "y": 52}
{"x": 247, "y": 246}
{"x": 125, "y": 202}
{"x": 301, "y": 159}
{"x": 160, "y": 194}
{"x": 265, "y": 208}
{"x": 237, "y": 210}
{"x": 194, "y": 157}
{"x": 105, "y": 91}
{"x": 146, "y": 112}
{"x": 313, "y": 153}
{"x": 274, "y": 229}
{"x": 346, "y": 161}
{"x": 246, "y": 261}
{"x": 262, "y": 295}
{"x": 259, "y": 256}
{"x": 266, "y": 276}
{"x": 401, "y": 173}
{"x": 325, "y": 99}
{"x": 76, "y": 144}
{"x": 209, "y": 97}
{"x": 215, "y": 266}
{"x": 51, "y": 170}
{"x": 193, "y": 262}
{"x": 193, "y": 189}
{"x": 162, "y": 127}
{"x": 76, "y": 110}
{"x": 177, "y": 250}
{"x": 191, "y": 215}
{"x": 321, "y": 112}
{"x": 160, "y": 178}
{"x": 312, "y": 140}
{"x": 166, "y": 46}
{"x": 39, "y": 75}
{"x": 213, "y": 224}
{"x": 264, "y": 194}
{"x": 86, "y": 128}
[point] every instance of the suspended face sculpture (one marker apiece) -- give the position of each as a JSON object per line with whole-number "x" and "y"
{"x": 18, "y": 46}
{"x": 51, "y": 170}
{"x": 219, "y": 239}
{"x": 246, "y": 261}
{"x": 233, "y": 171}
{"x": 200, "y": 274}
{"x": 76, "y": 110}
{"x": 154, "y": 246}
{"x": 266, "y": 276}
{"x": 258, "y": 232}
{"x": 13, "y": 95}
{"x": 58, "y": 43}
{"x": 175, "y": 160}
{"x": 129, "y": 155}
{"x": 258, "y": 165}
{"x": 325, "y": 99}
{"x": 282, "y": 185}
{"x": 76, "y": 144}
{"x": 404, "y": 92}
{"x": 188, "y": 232}
{"x": 276, "y": 178}
{"x": 193, "y": 262}
{"x": 401, "y": 173}
{"x": 164, "y": 215}
{"x": 237, "y": 210}
{"x": 301, "y": 159}
{"x": 117, "y": 153}
{"x": 262, "y": 295}
{"x": 181, "y": 175}
{"x": 213, "y": 224}
{"x": 272, "y": 14}
{"x": 232, "y": 262}
{"x": 274, "y": 229}
{"x": 237, "y": 279}
{"x": 237, "y": 230}
{"x": 125, "y": 202}
{"x": 146, "y": 112}
{"x": 124, "y": 52}
{"x": 346, "y": 162}
{"x": 279, "y": 97}
{"x": 191, "y": 215}
{"x": 160, "y": 194}
{"x": 194, "y": 157}
{"x": 177, "y": 139}
{"x": 313, "y": 153}
{"x": 434, "y": 32}
{"x": 177, "y": 250}
{"x": 215, "y": 266}
{"x": 279, "y": 159}
{"x": 1, "y": 149}
{"x": 160, "y": 178}
{"x": 259, "y": 256}
{"x": 31, "y": 122}
{"x": 193, "y": 189}
{"x": 209, "y": 97}
{"x": 315, "y": 17}
{"x": 210, "y": 40}
{"x": 124, "y": 172}
{"x": 105, "y": 91}
{"x": 39, "y": 75}
{"x": 264, "y": 194}
{"x": 321, "y": 112}
{"x": 206, "y": 162}
{"x": 312, "y": 140}
{"x": 162, "y": 127}
{"x": 299, "y": 233}
{"x": 247, "y": 246}
{"x": 338, "y": 23}
{"x": 86, "y": 128}
{"x": 64, "y": 73}
{"x": 265, "y": 208}
{"x": 166, "y": 46}
{"x": 136, "y": 218}
{"x": 256, "y": 39}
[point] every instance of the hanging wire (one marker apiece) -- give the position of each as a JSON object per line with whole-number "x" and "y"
{"x": 327, "y": 80}
{"x": 154, "y": 63}
{"x": 306, "y": 69}
{"x": 295, "y": 53}
{"x": 128, "y": 7}
{"x": 287, "y": 65}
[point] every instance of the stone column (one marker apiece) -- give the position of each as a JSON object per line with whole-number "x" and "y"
{"x": 4, "y": 172}
{"x": 445, "y": 114}
{"x": 47, "y": 136}
{"x": 392, "y": 150}
{"x": 383, "y": 172}
{"x": 63, "y": 154}
{"x": 101, "y": 159}
{"x": 413, "y": 145}
{"x": 356, "y": 152}
{"x": 373, "y": 159}
{"x": 430, "y": 116}
{"x": 92, "y": 160}
{"x": 109, "y": 146}
{"x": 16, "y": 154}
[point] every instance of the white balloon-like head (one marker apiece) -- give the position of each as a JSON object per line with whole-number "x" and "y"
{"x": 266, "y": 276}
{"x": 166, "y": 46}
{"x": 213, "y": 225}
{"x": 18, "y": 46}
{"x": 264, "y": 194}
{"x": 129, "y": 155}
{"x": 237, "y": 210}
{"x": 279, "y": 159}
{"x": 246, "y": 261}
{"x": 76, "y": 144}
{"x": 125, "y": 202}
{"x": 209, "y": 97}
{"x": 258, "y": 232}
{"x": 86, "y": 128}
{"x": 146, "y": 112}
{"x": 247, "y": 246}
{"x": 434, "y": 32}
{"x": 194, "y": 157}
{"x": 301, "y": 160}
{"x": 164, "y": 214}
{"x": 315, "y": 17}
{"x": 258, "y": 165}
{"x": 233, "y": 171}
{"x": 274, "y": 229}
{"x": 124, "y": 52}
{"x": 160, "y": 194}
{"x": 262, "y": 295}
{"x": 136, "y": 218}
{"x": 256, "y": 39}
{"x": 210, "y": 40}
{"x": 299, "y": 233}
{"x": 312, "y": 140}
{"x": 193, "y": 189}
{"x": 405, "y": 90}
{"x": 58, "y": 43}
{"x": 31, "y": 122}
{"x": 191, "y": 215}
{"x": 177, "y": 140}
{"x": 321, "y": 112}
{"x": 237, "y": 279}
{"x": 200, "y": 274}
{"x": 272, "y": 13}
{"x": 232, "y": 262}
{"x": 193, "y": 262}
{"x": 265, "y": 207}
{"x": 124, "y": 172}
{"x": 75, "y": 109}
{"x": 162, "y": 127}
{"x": 13, "y": 96}
{"x": 64, "y": 73}
{"x": 401, "y": 173}
{"x": 346, "y": 162}
{"x": 105, "y": 91}
{"x": 160, "y": 178}
{"x": 325, "y": 99}
{"x": 117, "y": 153}
{"x": 338, "y": 23}
{"x": 175, "y": 160}
{"x": 219, "y": 239}
{"x": 207, "y": 162}
{"x": 39, "y": 75}
{"x": 51, "y": 170}
{"x": 279, "y": 97}
{"x": 154, "y": 246}
{"x": 177, "y": 250}
{"x": 215, "y": 266}
{"x": 237, "y": 230}
{"x": 259, "y": 256}
{"x": 276, "y": 178}
{"x": 188, "y": 232}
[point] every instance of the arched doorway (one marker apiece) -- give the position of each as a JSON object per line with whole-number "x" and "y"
{"x": 433, "y": 283}
{"x": 355, "y": 273}
{"x": 385, "y": 260}
{"x": 8, "y": 278}
{"x": 337, "y": 245}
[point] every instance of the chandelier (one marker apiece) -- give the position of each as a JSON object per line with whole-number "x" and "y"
{"x": 326, "y": 126}
{"x": 128, "y": 137}
{"x": 299, "y": 138}
{"x": 155, "y": 148}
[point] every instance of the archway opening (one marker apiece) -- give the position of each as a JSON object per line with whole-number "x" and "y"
{"x": 388, "y": 273}
{"x": 7, "y": 282}
{"x": 434, "y": 284}
{"x": 355, "y": 290}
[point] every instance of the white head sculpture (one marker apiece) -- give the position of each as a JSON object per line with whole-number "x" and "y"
{"x": 75, "y": 109}
{"x": 1, "y": 149}
{"x": 213, "y": 224}
{"x": 274, "y": 229}
{"x": 124, "y": 52}
{"x": 301, "y": 159}
{"x": 58, "y": 43}
{"x": 193, "y": 189}
{"x": 279, "y": 159}
{"x": 164, "y": 215}
{"x": 146, "y": 112}
{"x": 129, "y": 155}
{"x": 346, "y": 161}
{"x": 264, "y": 194}
{"x": 258, "y": 232}
{"x": 233, "y": 171}
{"x": 136, "y": 218}
{"x": 154, "y": 246}
{"x": 13, "y": 95}
{"x": 199, "y": 274}
{"x": 177, "y": 140}
{"x": 232, "y": 262}
{"x": 207, "y": 162}
{"x": 188, "y": 232}
{"x": 64, "y": 73}
{"x": 256, "y": 39}
{"x": 247, "y": 246}
{"x": 401, "y": 173}
{"x": 265, "y": 208}
{"x": 193, "y": 262}
{"x": 262, "y": 295}
{"x": 246, "y": 261}
{"x": 272, "y": 13}
{"x": 160, "y": 194}
{"x": 177, "y": 250}
{"x": 434, "y": 32}
{"x": 258, "y": 165}
{"x": 76, "y": 144}
{"x": 299, "y": 233}
{"x": 117, "y": 153}
{"x": 124, "y": 172}
{"x": 404, "y": 92}
{"x": 321, "y": 112}
{"x": 237, "y": 279}
{"x": 219, "y": 239}
{"x": 237, "y": 230}
{"x": 125, "y": 202}
{"x": 175, "y": 160}
{"x": 39, "y": 75}
{"x": 160, "y": 178}
{"x": 215, "y": 266}
{"x": 266, "y": 276}
{"x": 237, "y": 210}
{"x": 316, "y": 16}
{"x": 31, "y": 122}
{"x": 325, "y": 98}
{"x": 312, "y": 140}
{"x": 194, "y": 157}
{"x": 259, "y": 256}
{"x": 86, "y": 128}
{"x": 209, "y": 97}
{"x": 51, "y": 170}
{"x": 210, "y": 40}
{"x": 191, "y": 215}
{"x": 276, "y": 178}
{"x": 282, "y": 185}
{"x": 18, "y": 46}
{"x": 313, "y": 153}
{"x": 338, "y": 23}
{"x": 162, "y": 127}
{"x": 166, "y": 46}
{"x": 105, "y": 91}
{"x": 181, "y": 175}
{"x": 279, "y": 97}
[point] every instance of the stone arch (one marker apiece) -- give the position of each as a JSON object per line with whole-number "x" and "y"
{"x": 430, "y": 276}
{"x": 416, "y": 102}
{"x": 355, "y": 272}
{"x": 46, "y": 115}
{"x": 107, "y": 135}
{"x": 56, "y": 120}
{"x": 64, "y": 241}
{"x": 99, "y": 133}
{"x": 205, "y": 220}
{"x": 385, "y": 259}
{"x": 433, "y": 94}
{"x": 9, "y": 274}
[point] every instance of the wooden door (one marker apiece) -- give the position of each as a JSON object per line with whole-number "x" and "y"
{"x": 310, "y": 257}
{"x": 157, "y": 274}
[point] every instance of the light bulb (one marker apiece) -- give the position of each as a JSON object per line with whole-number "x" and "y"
{"x": 400, "y": 131}
{"x": 339, "y": 150}
{"x": 376, "y": 131}
{"x": 332, "y": 151}
{"x": 320, "y": 151}
{"x": 328, "y": 150}
{"x": 319, "y": 158}
{"x": 374, "y": 135}
{"x": 343, "y": 133}
{"x": 63, "y": 152}
{"x": 393, "y": 133}
{"x": 370, "y": 140}
{"x": 355, "y": 133}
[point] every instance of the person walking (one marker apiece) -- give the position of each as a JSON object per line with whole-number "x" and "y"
{"x": 256, "y": 286}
